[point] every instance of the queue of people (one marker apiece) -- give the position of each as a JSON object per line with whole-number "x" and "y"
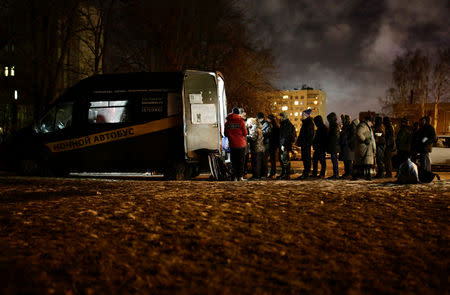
{"x": 363, "y": 146}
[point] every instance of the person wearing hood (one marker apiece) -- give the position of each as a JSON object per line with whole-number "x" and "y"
{"x": 380, "y": 140}
{"x": 347, "y": 145}
{"x": 365, "y": 148}
{"x": 236, "y": 132}
{"x": 320, "y": 147}
{"x": 255, "y": 139}
{"x": 287, "y": 138}
{"x": 332, "y": 144}
{"x": 304, "y": 141}
{"x": 390, "y": 146}
{"x": 266, "y": 128}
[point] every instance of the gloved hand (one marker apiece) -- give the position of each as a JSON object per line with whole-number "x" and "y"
{"x": 282, "y": 148}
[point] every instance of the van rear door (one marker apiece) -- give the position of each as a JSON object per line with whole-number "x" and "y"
{"x": 201, "y": 111}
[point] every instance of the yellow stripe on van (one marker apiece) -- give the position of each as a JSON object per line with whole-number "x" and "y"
{"x": 114, "y": 135}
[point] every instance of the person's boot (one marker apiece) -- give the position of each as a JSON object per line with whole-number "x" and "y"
{"x": 283, "y": 173}
{"x": 367, "y": 174}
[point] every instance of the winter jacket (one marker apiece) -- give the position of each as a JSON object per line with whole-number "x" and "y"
{"x": 255, "y": 137}
{"x": 404, "y": 137}
{"x": 365, "y": 147}
{"x": 321, "y": 135}
{"x": 427, "y": 137}
{"x": 333, "y": 134}
{"x": 266, "y": 131}
{"x": 347, "y": 142}
{"x": 306, "y": 134}
{"x": 389, "y": 137}
{"x": 287, "y": 134}
{"x": 274, "y": 136}
{"x": 380, "y": 138}
{"x": 236, "y": 131}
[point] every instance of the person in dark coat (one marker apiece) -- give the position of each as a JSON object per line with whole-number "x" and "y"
{"x": 332, "y": 143}
{"x": 266, "y": 128}
{"x": 426, "y": 140}
{"x": 347, "y": 144}
{"x": 403, "y": 141}
{"x": 236, "y": 132}
{"x": 390, "y": 146}
{"x": 287, "y": 138}
{"x": 320, "y": 147}
{"x": 305, "y": 140}
{"x": 380, "y": 140}
{"x": 255, "y": 139}
{"x": 415, "y": 139}
{"x": 274, "y": 144}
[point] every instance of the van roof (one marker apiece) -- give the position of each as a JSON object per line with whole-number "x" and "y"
{"x": 130, "y": 81}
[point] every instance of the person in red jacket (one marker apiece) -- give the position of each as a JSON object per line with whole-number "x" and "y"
{"x": 236, "y": 132}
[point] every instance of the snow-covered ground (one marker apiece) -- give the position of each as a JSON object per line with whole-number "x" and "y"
{"x": 113, "y": 236}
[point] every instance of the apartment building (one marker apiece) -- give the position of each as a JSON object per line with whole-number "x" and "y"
{"x": 295, "y": 101}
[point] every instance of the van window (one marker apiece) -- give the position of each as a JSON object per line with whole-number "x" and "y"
{"x": 114, "y": 111}
{"x": 59, "y": 117}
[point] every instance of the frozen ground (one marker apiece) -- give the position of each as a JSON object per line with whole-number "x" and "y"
{"x": 91, "y": 236}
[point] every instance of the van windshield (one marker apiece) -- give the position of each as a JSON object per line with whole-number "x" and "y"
{"x": 59, "y": 117}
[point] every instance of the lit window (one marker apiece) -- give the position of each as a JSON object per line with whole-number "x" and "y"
{"x": 290, "y": 114}
{"x": 16, "y": 95}
{"x": 6, "y": 71}
{"x": 12, "y": 70}
{"x": 315, "y": 102}
{"x": 275, "y": 103}
{"x": 296, "y": 102}
{"x": 301, "y": 103}
{"x": 296, "y": 114}
{"x": 284, "y": 108}
{"x": 285, "y": 96}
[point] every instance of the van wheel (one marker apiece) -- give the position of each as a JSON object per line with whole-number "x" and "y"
{"x": 29, "y": 167}
{"x": 176, "y": 171}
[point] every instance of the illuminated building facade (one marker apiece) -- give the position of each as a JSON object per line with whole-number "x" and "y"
{"x": 295, "y": 101}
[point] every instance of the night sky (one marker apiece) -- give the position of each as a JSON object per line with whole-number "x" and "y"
{"x": 346, "y": 47}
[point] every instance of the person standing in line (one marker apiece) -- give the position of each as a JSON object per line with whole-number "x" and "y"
{"x": 365, "y": 148}
{"x": 236, "y": 132}
{"x": 305, "y": 140}
{"x": 390, "y": 146}
{"x": 427, "y": 139}
{"x": 332, "y": 144}
{"x": 347, "y": 144}
{"x": 266, "y": 128}
{"x": 287, "y": 138}
{"x": 255, "y": 139}
{"x": 380, "y": 141}
{"x": 403, "y": 141}
{"x": 320, "y": 147}
{"x": 273, "y": 144}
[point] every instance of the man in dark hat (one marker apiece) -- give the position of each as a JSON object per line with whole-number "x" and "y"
{"x": 427, "y": 137}
{"x": 236, "y": 132}
{"x": 403, "y": 141}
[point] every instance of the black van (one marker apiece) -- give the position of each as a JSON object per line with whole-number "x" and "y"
{"x": 167, "y": 122}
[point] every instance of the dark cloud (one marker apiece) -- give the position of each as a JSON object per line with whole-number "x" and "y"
{"x": 347, "y": 47}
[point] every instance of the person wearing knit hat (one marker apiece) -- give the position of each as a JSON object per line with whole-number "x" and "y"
{"x": 236, "y": 132}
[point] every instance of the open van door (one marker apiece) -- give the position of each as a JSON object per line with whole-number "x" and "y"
{"x": 204, "y": 111}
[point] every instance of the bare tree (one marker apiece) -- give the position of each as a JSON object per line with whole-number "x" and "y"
{"x": 440, "y": 85}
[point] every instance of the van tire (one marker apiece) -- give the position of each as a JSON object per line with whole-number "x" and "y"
{"x": 177, "y": 171}
{"x": 29, "y": 167}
